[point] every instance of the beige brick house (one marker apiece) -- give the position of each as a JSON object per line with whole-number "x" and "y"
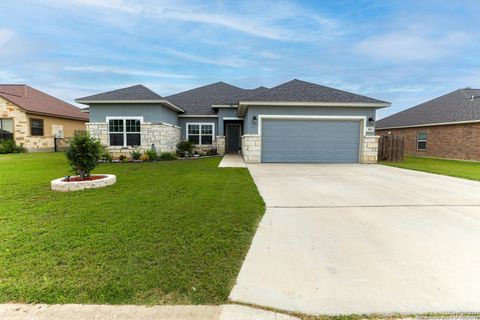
{"x": 445, "y": 127}
{"x": 32, "y": 118}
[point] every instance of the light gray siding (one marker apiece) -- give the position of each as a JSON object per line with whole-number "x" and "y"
{"x": 182, "y": 122}
{"x": 155, "y": 113}
{"x": 251, "y": 128}
{"x": 310, "y": 141}
{"x": 222, "y": 113}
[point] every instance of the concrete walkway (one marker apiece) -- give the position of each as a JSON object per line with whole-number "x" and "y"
{"x": 131, "y": 312}
{"x": 343, "y": 239}
{"x": 232, "y": 160}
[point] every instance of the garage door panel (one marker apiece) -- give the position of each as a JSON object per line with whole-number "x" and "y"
{"x": 316, "y": 141}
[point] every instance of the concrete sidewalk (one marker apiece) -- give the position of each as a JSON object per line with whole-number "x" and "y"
{"x": 232, "y": 160}
{"x": 132, "y": 312}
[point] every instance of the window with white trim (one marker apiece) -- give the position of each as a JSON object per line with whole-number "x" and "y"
{"x": 201, "y": 134}
{"x": 422, "y": 141}
{"x": 124, "y": 132}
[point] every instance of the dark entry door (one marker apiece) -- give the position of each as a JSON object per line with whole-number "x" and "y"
{"x": 233, "y": 137}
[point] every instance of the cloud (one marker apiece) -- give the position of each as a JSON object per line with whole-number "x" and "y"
{"x": 267, "y": 21}
{"x": 124, "y": 71}
{"x": 228, "y": 62}
{"x": 6, "y": 36}
{"x": 411, "y": 46}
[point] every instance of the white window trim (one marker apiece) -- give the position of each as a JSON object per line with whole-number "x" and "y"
{"x": 107, "y": 119}
{"x": 200, "y": 132}
{"x": 425, "y": 140}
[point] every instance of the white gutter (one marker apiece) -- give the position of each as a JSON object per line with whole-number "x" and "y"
{"x": 165, "y": 102}
{"x": 243, "y": 105}
{"x": 197, "y": 116}
{"x": 430, "y": 125}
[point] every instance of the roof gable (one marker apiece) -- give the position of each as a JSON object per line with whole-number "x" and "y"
{"x": 456, "y": 106}
{"x": 200, "y": 100}
{"x": 36, "y": 101}
{"x": 302, "y": 91}
{"x": 133, "y": 93}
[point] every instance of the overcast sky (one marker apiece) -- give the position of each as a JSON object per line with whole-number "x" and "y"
{"x": 405, "y": 52}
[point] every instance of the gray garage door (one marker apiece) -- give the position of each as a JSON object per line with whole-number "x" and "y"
{"x": 316, "y": 141}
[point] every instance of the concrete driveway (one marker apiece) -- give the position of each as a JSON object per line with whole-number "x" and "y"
{"x": 343, "y": 239}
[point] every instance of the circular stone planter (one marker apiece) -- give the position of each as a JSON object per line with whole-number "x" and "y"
{"x": 67, "y": 186}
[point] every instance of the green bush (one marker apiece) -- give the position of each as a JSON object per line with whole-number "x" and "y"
{"x": 184, "y": 146}
{"x": 106, "y": 156}
{"x": 212, "y": 152}
{"x": 83, "y": 154}
{"x": 135, "y": 154}
{"x": 151, "y": 154}
{"x": 165, "y": 156}
{"x": 9, "y": 146}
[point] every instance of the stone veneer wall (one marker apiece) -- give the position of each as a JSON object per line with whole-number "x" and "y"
{"x": 21, "y": 133}
{"x": 369, "y": 149}
{"x": 251, "y": 148}
{"x": 221, "y": 145}
{"x": 164, "y": 136}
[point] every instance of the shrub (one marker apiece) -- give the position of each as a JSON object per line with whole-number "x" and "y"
{"x": 122, "y": 157}
{"x": 135, "y": 154}
{"x": 151, "y": 154}
{"x": 144, "y": 157}
{"x": 165, "y": 156}
{"x": 184, "y": 146}
{"x": 83, "y": 154}
{"x": 212, "y": 152}
{"x": 9, "y": 146}
{"x": 106, "y": 156}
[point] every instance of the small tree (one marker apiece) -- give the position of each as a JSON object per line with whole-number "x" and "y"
{"x": 83, "y": 154}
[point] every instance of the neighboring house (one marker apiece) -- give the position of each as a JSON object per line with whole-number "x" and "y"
{"x": 32, "y": 118}
{"x": 296, "y": 121}
{"x": 445, "y": 127}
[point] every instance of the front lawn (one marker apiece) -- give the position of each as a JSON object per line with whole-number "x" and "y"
{"x": 165, "y": 233}
{"x": 454, "y": 168}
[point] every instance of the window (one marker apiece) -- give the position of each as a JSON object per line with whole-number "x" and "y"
{"x": 36, "y": 127}
{"x": 124, "y": 132}
{"x": 200, "y": 133}
{"x": 6, "y": 129}
{"x": 422, "y": 141}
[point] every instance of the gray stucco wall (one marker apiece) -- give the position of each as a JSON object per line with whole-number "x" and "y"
{"x": 224, "y": 112}
{"x": 155, "y": 113}
{"x": 251, "y": 128}
{"x": 182, "y": 122}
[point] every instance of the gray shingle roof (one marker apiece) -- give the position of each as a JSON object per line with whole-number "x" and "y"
{"x": 137, "y": 92}
{"x": 302, "y": 91}
{"x": 453, "y": 107}
{"x": 200, "y": 100}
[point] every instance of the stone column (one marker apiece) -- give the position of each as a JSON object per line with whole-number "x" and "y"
{"x": 369, "y": 149}
{"x": 251, "y": 148}
{"x": 221, "y": 145}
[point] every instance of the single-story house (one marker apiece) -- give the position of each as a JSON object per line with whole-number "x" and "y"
{"x": 445, "y": 127}
{"x": 296, "y": 121}
{"x": 32, "y": 118}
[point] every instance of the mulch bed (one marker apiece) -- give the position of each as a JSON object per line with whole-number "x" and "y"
{"x": 77, "y": 179}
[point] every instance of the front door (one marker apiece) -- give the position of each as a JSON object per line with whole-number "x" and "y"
{"x": 233, "y": 137}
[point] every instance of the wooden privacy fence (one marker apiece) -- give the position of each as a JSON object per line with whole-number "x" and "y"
{"x": 391, "y": 148}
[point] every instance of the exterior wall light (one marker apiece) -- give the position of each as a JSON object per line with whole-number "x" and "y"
{"x": 371, "y": 120}
{"x": 254, "y": 119}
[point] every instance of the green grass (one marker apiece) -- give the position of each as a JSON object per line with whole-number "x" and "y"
{"x": 165, "y": 233}
{"x": 454, "y": 168}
